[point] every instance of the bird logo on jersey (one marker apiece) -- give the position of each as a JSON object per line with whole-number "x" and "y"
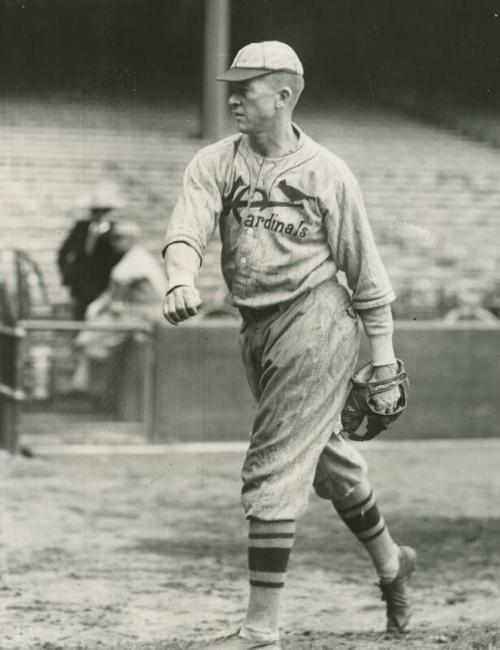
{"x": 294, "y": 194}
{"x": 238, "y": 198}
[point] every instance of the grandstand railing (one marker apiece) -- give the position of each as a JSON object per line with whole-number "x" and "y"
{"x": 55, "y": 337}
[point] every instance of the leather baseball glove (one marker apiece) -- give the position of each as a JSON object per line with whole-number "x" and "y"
{"x": 359, "y": 402}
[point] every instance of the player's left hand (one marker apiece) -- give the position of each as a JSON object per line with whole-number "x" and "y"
{"x": 387, "y": 401}
{"x": 378, "y": 393}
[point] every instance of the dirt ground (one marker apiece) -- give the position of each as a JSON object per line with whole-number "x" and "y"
{"x": 148, "y": 552}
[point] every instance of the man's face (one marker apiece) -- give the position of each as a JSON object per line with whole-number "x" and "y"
{"x": 121, "y": 243}
{"x": 253, "y": 104}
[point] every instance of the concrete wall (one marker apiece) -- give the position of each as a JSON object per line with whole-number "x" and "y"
{"x": 454, "y": 370}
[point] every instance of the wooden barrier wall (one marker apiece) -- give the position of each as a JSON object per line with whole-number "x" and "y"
{"x": 202, "y": 394}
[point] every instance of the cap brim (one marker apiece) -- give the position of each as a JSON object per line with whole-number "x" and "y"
{"x": 101, "y": 205}
{"x": 242, "y": 74}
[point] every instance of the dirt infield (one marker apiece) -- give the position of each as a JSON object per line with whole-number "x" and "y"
{"x": 148, "y": 552}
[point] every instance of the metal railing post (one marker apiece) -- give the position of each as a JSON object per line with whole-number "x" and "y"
{"x": 10, "y": 393}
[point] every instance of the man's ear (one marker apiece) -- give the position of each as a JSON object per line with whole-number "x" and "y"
{"x": 284, "y": 96}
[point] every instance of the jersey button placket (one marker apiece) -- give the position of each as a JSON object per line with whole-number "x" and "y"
{"x": 256, "y": 233}
{"x": 248, "y": 237}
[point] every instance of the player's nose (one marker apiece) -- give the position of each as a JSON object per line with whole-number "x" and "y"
{"x": 233, "y": 100}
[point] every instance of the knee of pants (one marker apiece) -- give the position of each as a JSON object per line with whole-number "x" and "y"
{"x": 332, "y": 482}
{"x": 325, "y": 487}
{"x": 281, "y": 499}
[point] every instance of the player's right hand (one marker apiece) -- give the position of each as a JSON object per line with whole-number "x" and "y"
{"x": 181, "y": 303}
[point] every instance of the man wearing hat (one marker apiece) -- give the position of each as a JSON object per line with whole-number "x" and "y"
{"x": 136, "y": 284}
{"x": 86, "y": 257}
{"x": 290, "y": 215}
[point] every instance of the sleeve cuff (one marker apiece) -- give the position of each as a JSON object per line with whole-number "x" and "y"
{"x": 360, "y": 305}
{"x": 186, "y": 238}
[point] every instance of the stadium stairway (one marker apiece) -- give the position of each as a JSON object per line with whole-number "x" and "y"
{"x": 433, "y": 196}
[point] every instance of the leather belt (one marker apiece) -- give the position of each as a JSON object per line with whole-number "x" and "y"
{"x": 256, "y": 314}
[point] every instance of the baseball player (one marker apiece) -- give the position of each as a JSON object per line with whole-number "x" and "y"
{"x": 290, "y": 216}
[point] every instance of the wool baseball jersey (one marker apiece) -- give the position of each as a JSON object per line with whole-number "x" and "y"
{"x": 286, "y": 224}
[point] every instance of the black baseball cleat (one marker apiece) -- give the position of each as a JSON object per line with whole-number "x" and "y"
{"x": 394, "y": 593}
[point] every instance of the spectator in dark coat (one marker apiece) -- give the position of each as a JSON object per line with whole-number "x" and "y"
{"x": 86, "y": 256}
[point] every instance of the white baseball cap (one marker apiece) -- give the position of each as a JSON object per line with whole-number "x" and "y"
{"x": 125, "y": 228}
{"x": 257, "y": 59}
{"x": 106, "y": 194}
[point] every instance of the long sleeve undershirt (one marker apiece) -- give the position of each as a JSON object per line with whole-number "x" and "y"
{"x": 378, "y": 326}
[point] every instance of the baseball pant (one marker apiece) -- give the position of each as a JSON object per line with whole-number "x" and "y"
{"x": 299, "y": 361}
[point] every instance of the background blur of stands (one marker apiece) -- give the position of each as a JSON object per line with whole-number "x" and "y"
{"x": 406, "y": 92}
{"x": 433, "y": 198}
{"x": 91, "y": 91}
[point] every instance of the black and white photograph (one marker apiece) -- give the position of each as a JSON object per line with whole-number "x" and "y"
{"x": 249, "y": 325}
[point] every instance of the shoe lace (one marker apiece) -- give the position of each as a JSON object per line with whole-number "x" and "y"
{"x": 228, "y": 637}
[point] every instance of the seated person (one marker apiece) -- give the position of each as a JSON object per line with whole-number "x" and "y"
{"x": 469, "y": 307}
{"x": 136, "y": 288}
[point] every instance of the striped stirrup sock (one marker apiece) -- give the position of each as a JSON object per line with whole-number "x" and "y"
{"x": 360, "y": 513}
{"x": 269, "y": 547}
